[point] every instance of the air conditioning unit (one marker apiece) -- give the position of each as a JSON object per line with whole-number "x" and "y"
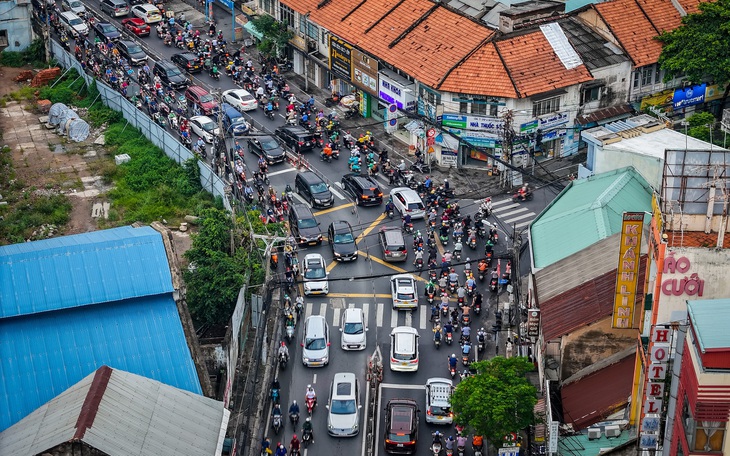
{"x": 311, "y": 45}
{"x": 613, "y": 431}
{"x": 594, "y": 433}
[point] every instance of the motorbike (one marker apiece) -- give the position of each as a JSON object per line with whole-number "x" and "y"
{"x": 477, "y": 308}
{"x": 275, "y": 395}
{"x": 516, "y": 198}
{"x": 282, "y": 360}
{"x": 269, "y": 114}
{"x": 216, "y": 76}
{"x": 436, "y": 448}
{"x": 390, "y": 213}
{"x": 277, "y": 423}
{"x": 310, "y": 405}
{"x": 449, "y": 338}
{"x": 472, "y": 242}
{"x": 480, "y": 343}
{"x": 465, "y": 359}
{"x": 444, "y": 309}
{"x": 469, "y": 290}
{"x": 452, "y": 371}
{"x": 461, "y": 449}
{"x": 457, "y": 251}
{"x": 159, "y": 119}
{"x": 419, "y": 264}
{"x": 408, "y": 228}
{"x": 306, "y": 437}
{"x": 485, "y": 209}
{"x": 453, "y": 286}
{"x": 294, "y": 418}
{"x": 430, "y": 294}
{"x": 437, "y": 342}
{"x": 465, "y": 320}
{"x": 494, "y": 282}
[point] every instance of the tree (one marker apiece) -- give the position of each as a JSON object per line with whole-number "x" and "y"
{"x": 212, "y": 286}
{"x": 700, "y": 47}
{"x": 497, "y": 400}
{"x": 276, "y": 35}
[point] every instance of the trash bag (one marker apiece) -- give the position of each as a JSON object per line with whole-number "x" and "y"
{"x": 77, "y": 129}
{"x": 55, "y": 113}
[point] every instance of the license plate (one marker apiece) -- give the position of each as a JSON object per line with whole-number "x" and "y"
{"x": 307, "y": 143}
{"x": 353, "y": 346}
{"x": 403, "y": 364}
{"x": 439, "y": 417}
{"x": 400, "y": 445}
{"x": 312, "y": 242}
{"x": 315, "y": 364}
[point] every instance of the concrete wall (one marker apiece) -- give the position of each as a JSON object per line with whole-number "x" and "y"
{"x": 15, "y": 19}
{"x": 617, "y": 83}
{"x": 609, "y": 158}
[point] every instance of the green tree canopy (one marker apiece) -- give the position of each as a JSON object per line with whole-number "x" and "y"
{"x": 276, "y": 35}
{"x": 497, "y": 400}
{"x": 700, "y": 47}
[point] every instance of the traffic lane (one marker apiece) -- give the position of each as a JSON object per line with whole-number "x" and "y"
{"x": 390, "y": 391}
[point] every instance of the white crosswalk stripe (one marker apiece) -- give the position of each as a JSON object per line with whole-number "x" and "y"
{"x": 379, "y": 314}
{"x": 393, "y": 319}
{"x": 336, "y": 318}
{"x": 409, "y": 319}
{"x": 509, "y": 212}
{"x": 520, "y": 217}
{"x": 333, "y": 314}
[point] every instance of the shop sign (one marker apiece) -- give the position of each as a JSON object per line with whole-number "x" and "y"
{"x": 690, "y": 285}
{"x": 533, "y": 322}
{"x": 528, "y": 127}
{"x": 552, "y": 120}
{"x": 554, "y": 134}
{"x": 474, "y": 123}
{"x": 713, "y": 92}
{"x": 654, "y": 385}
{"x": 340, "y": 57}
{"x": 477, "y": 138}
{"x": 448, "y": 157}
{"x": 364, "y": 104}
{"x": 453, "y": 120}
{"x": 689, "y": 96}
{"x": 627, "y": 272}
{"x": 364, "y": 72}
{"x": 298, "y": 42}
{"x": 394, "y": 92}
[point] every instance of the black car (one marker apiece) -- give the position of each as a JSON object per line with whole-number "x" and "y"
{"x": 401, "y": 426}
{"x": 342, "y": 241}
{"x": 267, "y": 147}
{"x": 187, "y": 61}
{"x": 132, "y": 52}
{"x": 299, "y": 139}
{"x": 106, "y": 32}
{"x": 170, "y": 75}
{"x": 304, "y": 226}
{"x": 363, "y": 189}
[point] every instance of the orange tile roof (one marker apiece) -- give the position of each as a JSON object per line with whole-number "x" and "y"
{"x": 534, "y": 66}
{"x": 690, "y": 6}
{"x": 632, "y": 29}
{"x": 661, "y": 13}
{"x": 695, "y": 239}
{"x": 484, "y": 65}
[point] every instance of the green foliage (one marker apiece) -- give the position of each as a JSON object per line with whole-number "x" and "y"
{"x": 276, "y": 35}
{"x": 34, "y": 55}
{"x": 701, "y": 119}
{"x": 213, "y": 285}
{"x": 700, "y": 47}
{"x": 497, "y": 400}
{"x": 258, "y": 226}
{"x": 702, "y": 125}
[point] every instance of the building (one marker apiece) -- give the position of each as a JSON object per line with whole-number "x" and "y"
{"x": 639, "y": 141}
{"x": 584, "y": 338}
{"x": 700, "y": 422}
{"x": 16, "y": 32}
{"x": 114, "y": 412}
{"x": 72, "y": 304}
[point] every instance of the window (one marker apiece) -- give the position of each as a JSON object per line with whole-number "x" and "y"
{"x": 3, "y": 39}
{"x": 479, "y": 108}
{"x": 312, "y": 31}
{"x": 325, "y": 37}
{"x": 493, "y": 110}
{"x": 702, "y": 436}
{"x": 432, "y": 98}
{"x": 267, "y": 5}
{"x": 636, "y": 79}
{"x": 463, "y": 107}
{"x": 286, "y": 15}
{"x": 646, "y": 74}
{"x": 590, "y": 94}
{"x": 658, "y": 76}
{"x": 540, "y": 108}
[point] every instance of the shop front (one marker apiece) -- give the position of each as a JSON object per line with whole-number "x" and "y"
{"x": 365, "y": 77}
{"x": 479, "y": 136}
{"x": 397, "y": 90}
{"x": 548, "y": 135}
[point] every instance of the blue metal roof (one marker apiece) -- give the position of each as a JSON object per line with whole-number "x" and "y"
{"x": 91, "y": 268}
{"x": 709, "y": 323}
{"x": 44, "y": 354}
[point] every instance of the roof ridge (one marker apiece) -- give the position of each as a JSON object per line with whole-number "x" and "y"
{"x": 87, "y": 415}
{"x": 647, "y": 17}
{"x": 509, "y": 73}
{"x": 483, "y": 43}
{"x": 387, "y": 13}
{"x": 415, "y": 24}
{"x": 613, "y": 32}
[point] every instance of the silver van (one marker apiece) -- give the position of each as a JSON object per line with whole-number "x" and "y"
{"x": 393, "y": 244}
{"x": 316, "y": 344}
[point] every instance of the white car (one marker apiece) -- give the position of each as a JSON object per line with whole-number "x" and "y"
{"x": 75, "y": 6}
{"x": 344, "y": 406}
{"x": 204, "y": 127}
{"x": 404, "y": 349}
{"x": 148, "y": 13}
{"x": 73, "y": 24}
{"x": 438, "y": 401}
{"x": 315, "y": 275}
{"x": 403, "y": 291}
{"x": 240, "y": 99}
{"x": 353, "y": 329}
{"x": 407, "y": 201}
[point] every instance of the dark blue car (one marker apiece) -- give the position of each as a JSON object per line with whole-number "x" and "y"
{"x": 106, "y": 32}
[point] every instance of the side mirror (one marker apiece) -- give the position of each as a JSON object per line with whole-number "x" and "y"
{"x": 302, "y": 344}
{"x": 340, "y": 329}
{"x": 327, "y": 407}
{"x": 328, "y": 344}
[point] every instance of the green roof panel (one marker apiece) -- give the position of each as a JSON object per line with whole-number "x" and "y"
{"x": 587, "y": 211}
{"x": 709, "y": 318}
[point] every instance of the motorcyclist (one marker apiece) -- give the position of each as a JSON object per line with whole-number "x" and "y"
{"x": 280, "y": 451}
{"x": 430, "y": 287}
{"x": 477, "y": 442}
{"x": 294, "y": 444}
{"x": 444, "y": 301}
{"x": 447, "y": 257}
{"x": 275, "y": 384}
{"x": 453, "y": 361}
{"x": 406, "y": 221}
{"x": 266, "y": 446}
{"x": 419, "y": 256}
{"x": 465, "y": 333}
{"x": 307, "y": 427}
{"x": 388, "y": 207}
{"x": 477, "y": 302}
{"x": 437, "y": 333}
{"x": 448, "y": 328}
{"x": 466, "y": 348}
{"x": 483, "y": 266}
{"x": 460, "y": 441}
{"x": 284, "y": 350}
{"x": 248, "y": 190}
{"x": 449, "y": 444}
{"x": 311, "y": 394}
{"x": 523, "y": 192}
{"x": 327, "y": 151}
{"x": 294, "y": 408}
{"x": 461, "y": 293}
{"x": 299, "y": 303}
{"x": 277, "y": 410}
{"x": 453, "y": 277}
{"x": 427, "y": 183}
{"x": 471, "y": 283}
{"x": 436, "y": 437}
{"x": 458, "y": 246}
{"x": 481, "y": 336}
{"x": 443, "y": 282}
{"x": 417, "y": 239}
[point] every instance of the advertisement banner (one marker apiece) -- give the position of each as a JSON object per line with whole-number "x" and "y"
{"x": 474, "y": 123}
{"x": 528, "y": 127}
{"x": 340, "y": 57}
{"x": 533, "y": 322}
{"x": 364, "y": 72}
{"x": 627, "y": 272}
{"x": 552, "y": 120}
{"x": 393, "y": 91}
{"x": 689, "y": 96}
{"x": 448, "y": 157}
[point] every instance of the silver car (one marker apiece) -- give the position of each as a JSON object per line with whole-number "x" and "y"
{"x": 343, "y": 419}
{"x": 407, "y": 201}
{"x": 353, "y": 329}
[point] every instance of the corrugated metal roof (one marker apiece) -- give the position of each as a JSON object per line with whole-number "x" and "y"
{"x": 42, "y": 355}
{"x": 125, "y": 414}
{"x": 585, "y": 212}
{"x": 596, "y": 396}
{"x": 709, "y": 318}
{"x": 90, "y": 268}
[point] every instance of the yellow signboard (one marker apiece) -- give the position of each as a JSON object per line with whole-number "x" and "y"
{"x": 627, "y": 273}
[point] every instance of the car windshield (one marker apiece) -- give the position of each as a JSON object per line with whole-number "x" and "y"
{"x": 134, "y": 48}
{"x": 315, "y": 273}
{"x": 404, "y": 296}
{"x": 208, "y": 125}
{"x": 75, "y": 4}
{"x": 238, "y": 121}
{"x": 307, "y": 223}
{"x": 440, "y": 411}
{"x": 315, "y": 344}
{"x": 399, "y": 438}
{"x": 76, "y": 21}
{"x": 172, "y": 71}
{"x": 269, "y": 144}
{"x": 247, "y": 97}
{"x": 353, "y": 328}
{"x": 318, "y": 188}
{"x": 344, "y": 238}
{"x": 207, "y": 98}
{"x": 106, "y": 28}
{"x": 343, "y": 407}
{"x": 414, "y": 206}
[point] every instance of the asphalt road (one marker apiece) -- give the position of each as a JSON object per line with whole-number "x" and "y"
{"x": 365, "y": 284}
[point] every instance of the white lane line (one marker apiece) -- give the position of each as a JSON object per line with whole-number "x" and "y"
{"x": 314, "y": 379}
{"x": 299, "y": 198}
{"x": 409, "y": 318}
{"x": 336, "y": 193}
{"x": 422, "y": 317}
{"x": 336, "y": 317}
{"x": 504, "y": 208}
{"x": 366, "y": 311}
{"x": 516, "y": 211}
{"x": 322, "y": 309}
{"x": 402, "y": 386}
{"x": 282, "y": 171}
{"x": 497, "y": 203}
{"x": 393, "y": 318}
{"x": 519, "y": 217}
{"x": 308, "y": 312}
{"x": 379, "y": 314}
{"x": 338, "y": 183}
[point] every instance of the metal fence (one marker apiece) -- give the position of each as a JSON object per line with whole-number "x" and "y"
{"x": 160, "y": 137}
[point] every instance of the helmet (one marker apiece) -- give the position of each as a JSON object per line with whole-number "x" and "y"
{"x": 294, "y": 402}
{"x": 309, "y": 418}
{"x": 309, "y": 386}
{"x": 481, "y": 329}
{"x": 294, "y": 437}
{"x": 283, "y": 344}
{"x": 468, "y": 259}
{"x": 282, "y": 446}
{"x": 453, "y": 355}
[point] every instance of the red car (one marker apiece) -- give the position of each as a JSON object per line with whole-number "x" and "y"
{"x": 137, "y": 26}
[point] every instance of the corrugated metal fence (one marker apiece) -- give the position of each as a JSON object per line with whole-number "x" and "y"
{"x": 159, "y": 136}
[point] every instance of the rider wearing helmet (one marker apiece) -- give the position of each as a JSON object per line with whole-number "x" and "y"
{"x": 307, "y": 427}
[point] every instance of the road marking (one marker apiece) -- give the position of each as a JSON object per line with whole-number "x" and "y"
{"x": 314, "y": 379}
{"x": 370, "y": 227}
{"x": 379, "y": 310}
{"x": 366, "y": 312}
{"x": 409, "y": 319}
{"x": 282, "y": 171}
{"x": 402, "y": 387}
{"x": 497, "y": 203}
{"x": 439, "y": 247}
{"x": 514, "y": 219}
{"x": 358, "y": 295}
{"x": 308, "y": 312}
{"x": 422, "y": 317}
{"x": 520, "y": 225}
{"x": 391, "y": 266}
{"x": 394, "y": 318}
{"x": 507, "y": 214}
{"x": 332, "y": 265}
{"x": 339, "y": 184}
{"x": 337, "y": 194}
{"x": 299, "y": 198}
{"x": 332, "y": 209}
{"x": 336, "y": 317}
{"x": 322, "y": 309}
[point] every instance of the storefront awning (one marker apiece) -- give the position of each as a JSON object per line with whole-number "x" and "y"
{"x": 250, "y": 28}
{"x": 415, "y": 127}
{"x": 447, "y": 141}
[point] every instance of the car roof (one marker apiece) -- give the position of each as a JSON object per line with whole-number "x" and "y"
{"x": 201, "y": 118}
{"x": 404, "y": 330}
{"x": 188, "y": 55}
{"x": 69, "y": 14}
{"x": 406, "y": 192}
{"x": 314, "y": 256}
{"x": 353, "y": 314}
{"x": 148, "y": 7}
{"x": 302, "y": 209}
{"x": 127, "y": 43}
{"x": 402, "y": 277}
{"x": 338, "y": 225}
{"x": 346, "y": 378}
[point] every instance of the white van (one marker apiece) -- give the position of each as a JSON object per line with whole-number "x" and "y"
{"x": 404, "y": 349}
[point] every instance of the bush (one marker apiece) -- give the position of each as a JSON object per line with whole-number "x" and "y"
{"x": 34, "y": 55}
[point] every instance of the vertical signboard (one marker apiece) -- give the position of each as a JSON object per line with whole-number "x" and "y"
{"x": 391, "y": 118}
{"x": 340, "y": 58}
{"x": 659, "y": 351}
{"x": 627, "y": 273}
{"x": 364, "y": 72}
{"x": 533, "y": 323}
